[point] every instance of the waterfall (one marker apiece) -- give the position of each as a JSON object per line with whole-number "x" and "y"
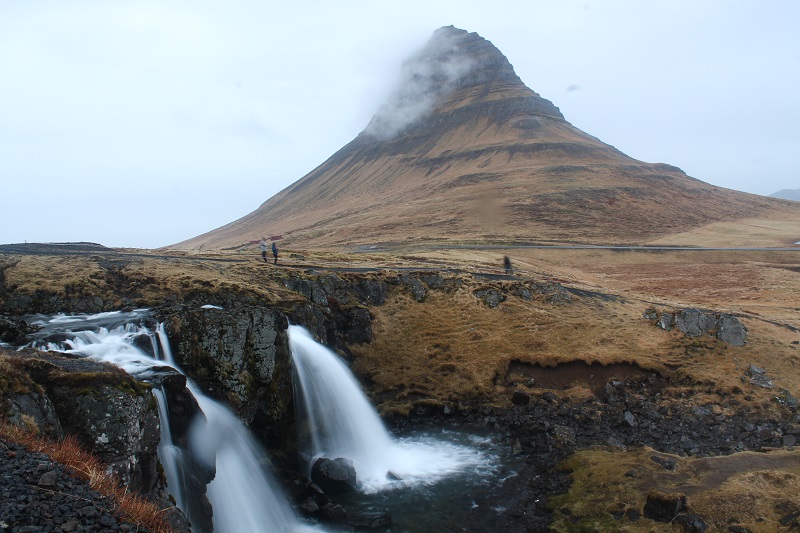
{"x": 342, "y": 423}
{"x": 242, "y": 495}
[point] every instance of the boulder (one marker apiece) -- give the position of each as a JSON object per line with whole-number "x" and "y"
{"x": 334, "y": 476}
{"x": 732, "y": 331}
{"x": 695, "y": 323}
{"x": 520, "y": 398}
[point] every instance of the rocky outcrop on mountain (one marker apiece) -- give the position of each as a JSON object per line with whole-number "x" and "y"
{"x": 695, "y": 323}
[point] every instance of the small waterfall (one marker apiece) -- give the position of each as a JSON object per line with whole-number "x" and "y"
{"x": 342, "y": 423}
{"x": 242, "y": 495}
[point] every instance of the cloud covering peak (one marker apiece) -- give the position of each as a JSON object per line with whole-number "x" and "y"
{"x": 424, "y": 77}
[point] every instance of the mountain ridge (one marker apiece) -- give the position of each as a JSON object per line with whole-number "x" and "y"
{"x": 787, "y": 194}
{"x": 464, "y": 151}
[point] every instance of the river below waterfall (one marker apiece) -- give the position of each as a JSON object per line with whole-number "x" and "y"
{"x": 465, "y": 501}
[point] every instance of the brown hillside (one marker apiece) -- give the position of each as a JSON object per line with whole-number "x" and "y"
{"x": 464, "y": 151}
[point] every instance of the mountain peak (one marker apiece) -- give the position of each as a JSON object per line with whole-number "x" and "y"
{"x": 455, "y": 68}
{"x": 462, "y": 151}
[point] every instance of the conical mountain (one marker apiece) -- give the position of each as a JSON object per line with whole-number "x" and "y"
{"x": 463, "y": 151}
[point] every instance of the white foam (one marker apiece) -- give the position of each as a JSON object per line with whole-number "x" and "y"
{"x": 342, "y": 423}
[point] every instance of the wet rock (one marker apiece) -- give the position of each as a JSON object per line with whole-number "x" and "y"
{"x": 309, "y": 507}
{"x": 369, "y": 520}
{"x": 333, "y": 512}
{"x": 664, "y": 506}
{"x": 334, "y": 476}
{"x": 516, "y": 447}
{"x": 13, "y": 329}
{"x": 239, "y": 355}
{"x": 520, "y": 398}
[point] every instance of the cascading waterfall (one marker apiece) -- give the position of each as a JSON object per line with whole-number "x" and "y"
{"x": 342, "y": 423}
{"x": 242, "y": 495}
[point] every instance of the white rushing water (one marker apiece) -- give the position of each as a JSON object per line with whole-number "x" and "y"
{"x": 342, "y": 423}
{"x": 243, "y": 496}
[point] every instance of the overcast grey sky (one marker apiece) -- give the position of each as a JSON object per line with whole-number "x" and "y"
{"x": 140, "y": 124}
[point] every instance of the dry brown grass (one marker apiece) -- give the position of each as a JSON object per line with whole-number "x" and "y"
{"x": 131, "y": 507}
{"x": 452, "y": 347}
{"x": 748, "y": 489}
{"x": 13, "y": 379}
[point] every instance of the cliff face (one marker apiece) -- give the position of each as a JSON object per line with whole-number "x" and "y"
{"x": 111, "y": 414}
{"x": 238, "y": 354}
{"x": 463, "y": 150}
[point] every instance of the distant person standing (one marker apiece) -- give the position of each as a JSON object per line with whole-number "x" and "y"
{"x": 263, "y": 246}
{"x": 274, "y": 253}
{"x": 507, "y": 266}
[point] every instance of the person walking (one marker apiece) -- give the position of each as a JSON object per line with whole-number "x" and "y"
{"x": 263, "y": 246}
{"x": 275, "y": 253}
{"x": 507, "y": 266}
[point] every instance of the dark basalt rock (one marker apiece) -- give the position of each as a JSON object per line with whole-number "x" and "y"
{"x": 520, "y": 398}
{"x": 239, "y": 355}
{"x": 13, "y": 329}
{"x": 369, "y": 520}
{"x": 334, "y": 476}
